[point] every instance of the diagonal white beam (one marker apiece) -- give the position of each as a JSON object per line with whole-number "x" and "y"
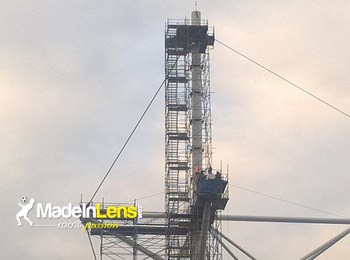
{"x": 224, "y": 246}
{"x": 321, "y": 249}
{"x": 215, "y": 232}
{"x": 137, "y": 246}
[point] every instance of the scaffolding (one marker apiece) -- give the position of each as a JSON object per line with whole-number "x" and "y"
{"x": 134, "y": 239}
{"x": 188, "y": 137}
{"x": 192, "y": 202}
{"x": 177, "y": 142}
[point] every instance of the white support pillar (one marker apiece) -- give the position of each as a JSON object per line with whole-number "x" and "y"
{"x": 204, "y": 232}
{"x": 196, "y": 120}
{"x": 197, "y": 96}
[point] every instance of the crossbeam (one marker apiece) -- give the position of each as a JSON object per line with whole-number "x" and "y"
{"x": 268, "y": 219}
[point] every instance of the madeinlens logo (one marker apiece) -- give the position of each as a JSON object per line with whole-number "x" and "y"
{"x": 49, "y": 211}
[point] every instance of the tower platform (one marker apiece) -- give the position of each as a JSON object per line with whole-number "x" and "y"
{"x": 212, "y": 192}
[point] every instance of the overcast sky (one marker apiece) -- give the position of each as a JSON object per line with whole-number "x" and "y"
{"x": 76, "y": 75}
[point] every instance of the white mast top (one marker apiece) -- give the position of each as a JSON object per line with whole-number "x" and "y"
{"x": 196, "y": 18}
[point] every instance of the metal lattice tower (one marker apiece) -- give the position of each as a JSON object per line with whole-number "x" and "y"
{"x": 188, "y": 148}
{"x": 192, "y": 200}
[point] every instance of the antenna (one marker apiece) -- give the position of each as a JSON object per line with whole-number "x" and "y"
{"x": 196, "y": 5}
